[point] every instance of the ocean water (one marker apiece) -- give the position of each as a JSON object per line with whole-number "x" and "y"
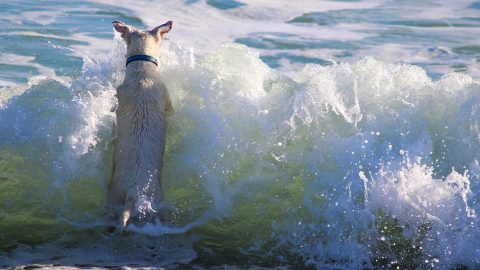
{"x": 306, "y": 135}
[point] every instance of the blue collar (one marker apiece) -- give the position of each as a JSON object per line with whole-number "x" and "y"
{"x": 142, "y": 57}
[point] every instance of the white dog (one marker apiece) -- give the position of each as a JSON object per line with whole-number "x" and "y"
{"x": 143, "y": 102}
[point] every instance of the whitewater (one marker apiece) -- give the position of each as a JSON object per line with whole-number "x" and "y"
{"x": 320, "y": 135}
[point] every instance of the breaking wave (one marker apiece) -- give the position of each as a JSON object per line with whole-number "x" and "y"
{"x": 364, "y": 164}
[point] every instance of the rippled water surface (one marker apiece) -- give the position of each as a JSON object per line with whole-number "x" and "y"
{"x": 312, "y": 134}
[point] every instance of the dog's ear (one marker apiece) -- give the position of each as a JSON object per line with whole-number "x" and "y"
{"x": 159, "y": 31}
{"x": 122, "y": 28}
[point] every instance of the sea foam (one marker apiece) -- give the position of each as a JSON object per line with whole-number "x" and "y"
{"x": 337, "y": 165}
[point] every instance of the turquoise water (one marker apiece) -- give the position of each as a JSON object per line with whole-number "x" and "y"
{"x": 321, "y": 135}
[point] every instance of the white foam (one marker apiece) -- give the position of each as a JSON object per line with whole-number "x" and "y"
{"x": 230, "y": 108}
{"x": 414, "y": 197}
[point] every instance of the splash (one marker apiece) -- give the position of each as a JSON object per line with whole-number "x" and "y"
{"x": 344, "y": 166}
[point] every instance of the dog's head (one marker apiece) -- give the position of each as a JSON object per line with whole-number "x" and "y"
{"x": 142, "y": 42}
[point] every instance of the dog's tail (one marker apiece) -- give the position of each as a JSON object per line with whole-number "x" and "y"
{"x": 127, "y": 212}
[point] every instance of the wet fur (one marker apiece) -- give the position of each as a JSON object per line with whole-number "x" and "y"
{"x": 143, "y": 102}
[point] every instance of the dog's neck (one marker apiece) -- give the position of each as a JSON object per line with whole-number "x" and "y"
{"x": 139, "y": 71}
